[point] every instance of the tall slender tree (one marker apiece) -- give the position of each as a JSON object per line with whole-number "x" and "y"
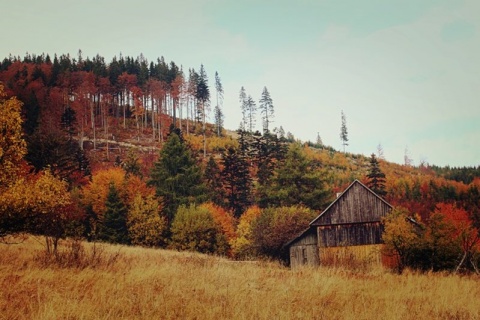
{"x": 266, "y": 109}
{"x": 218, "y": 108}
{"x": 344, "y": 132}
{"x": 203, "y": 96}
{"x": 243, "y": 108}
{"x": 251, "y": 113}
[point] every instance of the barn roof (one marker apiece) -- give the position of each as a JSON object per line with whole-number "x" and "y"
{"x": 299, "y": 235}
{"x": 355, "y": 184}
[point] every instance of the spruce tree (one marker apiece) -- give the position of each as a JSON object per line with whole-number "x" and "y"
{"x": 218, "y": 113}
{"x": 376, "y": 178}
{"x": 266, "y": 109}
{"x": 236, "y": 176}
{"x": 344, "y": 132}
{"x": 218, "y": 108}
{"x": 176, "y": 176}
{"x": 243, "y": 107}
{"x": 296, "y": 181}
{"x": 114, "y": 227}
{"x": 214, "y": 182}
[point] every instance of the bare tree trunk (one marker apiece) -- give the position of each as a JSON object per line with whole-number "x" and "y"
{"x": 461, "y": 262}
{"x": 204, "y": 131}
{"x": 92, "y": 115}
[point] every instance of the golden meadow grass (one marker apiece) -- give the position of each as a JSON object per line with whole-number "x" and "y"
{"x": 138, "y": 283}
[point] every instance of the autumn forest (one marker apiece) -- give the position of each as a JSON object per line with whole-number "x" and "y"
{"x": 135, "y": 152}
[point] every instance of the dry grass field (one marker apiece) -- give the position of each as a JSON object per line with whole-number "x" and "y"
{"x": 136, "y": 283}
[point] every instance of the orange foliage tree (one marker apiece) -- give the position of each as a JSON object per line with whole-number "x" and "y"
{"x": 464, "y": 232}
{"x": 223, "y": 218}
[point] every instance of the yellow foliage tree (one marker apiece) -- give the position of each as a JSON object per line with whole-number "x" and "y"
{"x": 401, "y": 236}
{"x": 242, "y": 244}
{"x": 12, "y": 146}
{"x": 146, "y": 226}
{"x": 39, "y": 204}
{"x": 95, "y": 193}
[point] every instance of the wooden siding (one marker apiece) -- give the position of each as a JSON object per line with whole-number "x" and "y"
{"x": 351, "y": 256}
{"x": 357, "y": 204}
{"x": 303, "y": 250}
{"x": 350, "y": 234}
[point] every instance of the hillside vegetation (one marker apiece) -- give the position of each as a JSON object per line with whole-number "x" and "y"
{"x": 138, "y": 283}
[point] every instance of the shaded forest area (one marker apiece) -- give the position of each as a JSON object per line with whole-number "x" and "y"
{"x": 122, "y": 152}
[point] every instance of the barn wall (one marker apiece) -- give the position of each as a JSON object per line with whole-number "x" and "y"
{"x": 351, "y": 256}
{"x": 357, "y": 204}
{"x": 350, "y": 234}
{"x": 303, "y": 251}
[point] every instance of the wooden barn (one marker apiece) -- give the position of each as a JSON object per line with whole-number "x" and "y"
{"x": 349, "y": 229}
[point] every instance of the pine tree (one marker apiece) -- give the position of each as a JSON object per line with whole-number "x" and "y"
{"x": 296, "y": 181}
{"x": 319, "y": 141}
{"x": 243, "y": 107}
{"x": 236, "y": 179}
{"x": 268, "y": 152}
{"x": 176, "y": 176}
{"x": 343, "y": 132}
{"x": 214, "y": 182}
{"x": 218, "y": 120}
{"x": 266, "y": 109}
{"x": 114, "y": 227}
{"x": 203, "y": 95}
{"x": 218, "y": 108}
{"x": 376, "y": 177}
{"x": 251, "y": 113}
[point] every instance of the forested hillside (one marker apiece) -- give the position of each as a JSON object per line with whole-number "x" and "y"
{"x": 122, "y": 152}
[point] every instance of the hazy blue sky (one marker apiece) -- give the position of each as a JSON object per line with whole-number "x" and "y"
{"x": 405, "y": 72}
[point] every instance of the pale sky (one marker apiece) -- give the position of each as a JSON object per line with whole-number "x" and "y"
{"x": 406, "y": 73}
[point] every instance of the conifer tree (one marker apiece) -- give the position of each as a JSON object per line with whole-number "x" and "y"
{"x": 344, "y": 132}
{"x": 236, "y": 177}
{"x": 251, "y": 113}
{"x": 114, "y": 227}
{"x": 376, "y": 177}
{"x": 243, "y": 107}
{"x": 203, "y": 95}
{"x": 176, "y": 176}
{"x": 319, "y": 141}
{"x": 218, "y": 108}
{"x": 214, "y": 182}
{"x": 266, "y": 109}
{"x": 218, "y": 113}
{"x": 296, "y": 181}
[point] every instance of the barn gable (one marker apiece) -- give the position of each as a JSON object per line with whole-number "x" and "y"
{"x": 357, "y": 204}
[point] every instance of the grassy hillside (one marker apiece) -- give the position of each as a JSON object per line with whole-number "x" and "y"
{"x": 138, "y": 283}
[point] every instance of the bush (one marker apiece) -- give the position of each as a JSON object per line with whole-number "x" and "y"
{"x": 242, "y": 245}
{"x": 146, "y": 227}
{"x": 195, "y": 229}
{"x": 274, "y": 227}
